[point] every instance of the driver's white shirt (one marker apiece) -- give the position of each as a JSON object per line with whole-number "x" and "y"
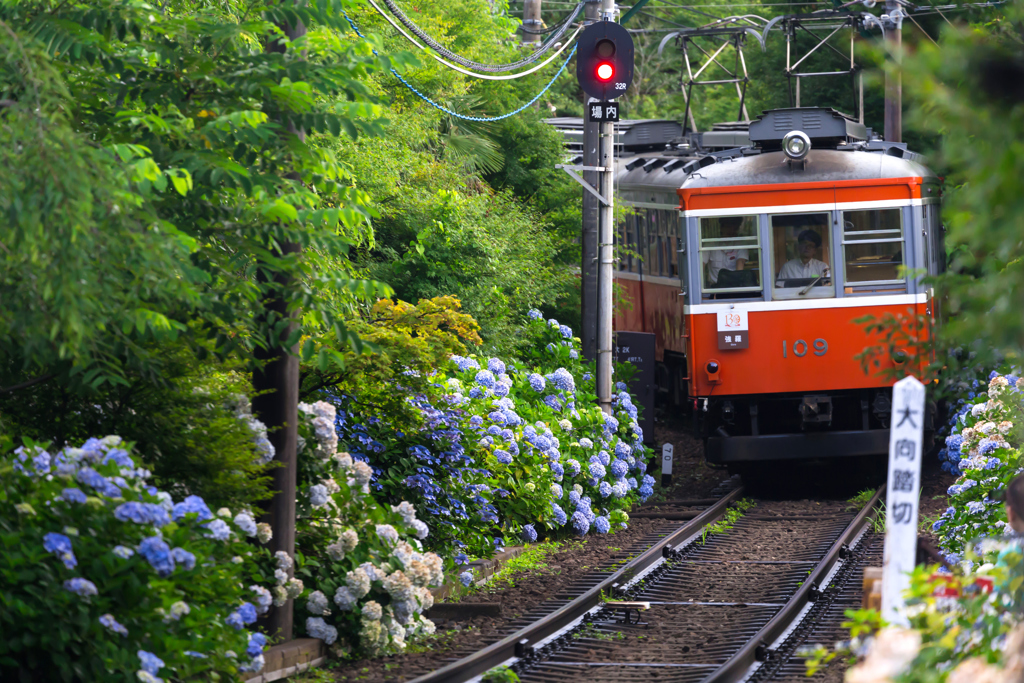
{"x": 797, "y": 269}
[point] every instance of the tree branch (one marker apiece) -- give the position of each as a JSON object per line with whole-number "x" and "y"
{"x": 29, "y": 383}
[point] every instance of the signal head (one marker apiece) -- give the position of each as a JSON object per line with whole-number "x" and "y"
{"x": 796, "y": 145}
{"x": 604, "y": 60}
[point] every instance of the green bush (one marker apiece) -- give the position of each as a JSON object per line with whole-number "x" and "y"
{"x": 104, "y": 578}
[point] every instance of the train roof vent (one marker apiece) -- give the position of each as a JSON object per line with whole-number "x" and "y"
{"x": 824, "y": 126}
{"x": 639, "y": 161}
{"x": 656, "y": 163}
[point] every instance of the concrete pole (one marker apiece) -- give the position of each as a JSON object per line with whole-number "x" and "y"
{"x": 893, "y": 83}
{"x": 606, "y": 253}
{"x": 531, "y": 21}
{"x": 588, "y": 242}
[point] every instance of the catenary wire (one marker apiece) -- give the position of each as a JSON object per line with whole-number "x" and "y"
{"x": 479, "y": 119}
{"x": 488, "y": 77}
{"x": 440, "y": 49}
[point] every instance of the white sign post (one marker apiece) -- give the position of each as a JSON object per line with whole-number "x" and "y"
{"x": 666, "y": 464}
{"x": 906, "y": 431}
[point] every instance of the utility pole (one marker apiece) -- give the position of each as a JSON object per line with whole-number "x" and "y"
{"x": 606, "y": 252}
{"x": 531, "y": 21}
{"x": 275, "y": 380}
{"x": 588, "y": 264}
{"x": 893, "y": 130}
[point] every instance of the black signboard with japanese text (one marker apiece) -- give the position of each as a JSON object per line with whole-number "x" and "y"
{"x": 637, "y": 348}
{"x": 603, "y": 111}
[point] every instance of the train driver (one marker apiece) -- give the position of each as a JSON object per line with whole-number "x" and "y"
{"x": 805, "y": 266}
{"x": 728, "y": 259}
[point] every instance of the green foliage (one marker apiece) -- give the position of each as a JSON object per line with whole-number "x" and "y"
{"x": 183, "y": 427}
{"x": 732, "y": 515}
{"x": 54, "y": 634}
{"x": 957, "y": 89}
{"x": 500, "y": 674}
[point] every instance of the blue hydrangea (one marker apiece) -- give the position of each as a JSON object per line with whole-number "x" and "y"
{"x": 563, "y": 379}
{"x": 476, "y": 422}
{"x": 557, "y": 470}
{"x": 507, "y": 434}
{"x": 461, "y": 559}
{"x": 485, "y": 378}
{"x": 476, "y": 392}
{"x": 620, "y": 489}
{"x": 495, "y": 430}
{"x": 502, "y": 388}
{"x": 597, "y": 470}
{"x": 556, "y": 491}
{"x": 553, "y": 402}
{"x": 91, "y": 477}
{"x": 151, "y": 664}
{"x": 586, "y": 443}
{"x": 573, "y": 354}
{"x": 528, "y": 534}
{"x": 235, "y": 621}
{"x": 183, "y": 557}
{"x": 565, "y": 331}
{"x": 601, "y": 525}
{"x": 987, "y": 446}
{"x": 552, "y": 323}
{"x": 605, "y": 489}
{"x": 574, "y": 498}
{"x": 992, "y": 375}
{"x": 81, "y": 587}
{"x": 60, "y": 545}
{"x": 219, "y": 530}
{"x": 619, "y": 469}
{"x": 513, "y": 448}
{"x": 537, "y": 381}
{"x": 975, "y": 507}
{"x": 580, "y": 523}
{"x": 572, "y": 466}
{"x": 108, "y": 622}
{"x": 191, "y": 505}
{"x": 158, "y": 554}
{"x": 645, "y": 492}
{"x": 611, "y": 425}
{"x": 496, "y": 366}
{"x": 587, "y": 376}
{"x": 504, "y": 457}
{"x": 466, "y": 578}
{"x": 142, "y": 513}
{"x": 623, "y": 450}
{"x": 248, "y": 612}
{"x": 73, "y": 495}
{"x": 465, "y": 364}
{"x": 604, "y": 458}
{"x": 257, "y": 641}
{"x": 954, "y": 442}
{"x": 534, "y": 314}
{"x": 938, "y": 525}
{"x": 119, "y": 456}
{"x": 558, "y": 514}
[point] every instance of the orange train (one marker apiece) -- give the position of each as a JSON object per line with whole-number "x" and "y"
{"x": 751, "y": 262}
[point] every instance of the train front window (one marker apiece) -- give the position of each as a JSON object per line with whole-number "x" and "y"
{"x": 873, "y": 250}
{"x": 730, "y": 254}
{"x": 802, "y": 256}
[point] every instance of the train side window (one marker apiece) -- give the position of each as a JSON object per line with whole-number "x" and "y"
{"x": 730, "y": 252}
{"x": 802, "y": 251}
{"x": 873, "y": 250}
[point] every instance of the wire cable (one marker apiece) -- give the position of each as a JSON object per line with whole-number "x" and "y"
{"x": 440, "y": 49}
{"x": 478, "y": 119}
{"x": 488, "y": 77}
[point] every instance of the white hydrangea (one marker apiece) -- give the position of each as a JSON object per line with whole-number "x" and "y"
{"x": 387, "y": 533}
{"x": 294, "y": 588}
{"x": 263, "y": 599}
{"x": 280, "y": 596}
{"x": 422, "y": 530}
{"x": 398, "y": 586}
{"x": 358, "y": 582}
{"x": 284, "y": 560}
{"x": 406, "y": 511}
{"x": 361, "y": 472}
{"x": 264, "y": 532}
{"x": 280, "y": 576}
{"x": 372, "y": 610}
{"x": 318, "y": 628}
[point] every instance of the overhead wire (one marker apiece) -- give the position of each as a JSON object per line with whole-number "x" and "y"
{"x": 478, "y": 119}
{"x": 443, "y": 51}
{"x": 488, "y": 77}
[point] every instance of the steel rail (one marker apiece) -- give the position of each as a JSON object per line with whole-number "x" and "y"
{"x": 491, "y": 656}
{"x": 737, "y": 667}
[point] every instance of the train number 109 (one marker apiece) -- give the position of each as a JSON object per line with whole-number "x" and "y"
{"x": 800, "y": 348}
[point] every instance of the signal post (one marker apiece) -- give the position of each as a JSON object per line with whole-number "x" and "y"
{"x": 604, "y": 68}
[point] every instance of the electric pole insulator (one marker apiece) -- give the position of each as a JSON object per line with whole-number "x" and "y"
{"x": 604, "y": 60}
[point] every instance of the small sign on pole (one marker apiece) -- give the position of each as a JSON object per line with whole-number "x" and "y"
{"x": 667, "y": 452}
{"x": 905, "y": 435}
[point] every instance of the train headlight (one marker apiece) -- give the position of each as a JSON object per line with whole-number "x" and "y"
{"x": 796, "y": 145}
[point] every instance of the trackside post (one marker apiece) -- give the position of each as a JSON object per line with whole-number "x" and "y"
{"x": 901, "y": 498}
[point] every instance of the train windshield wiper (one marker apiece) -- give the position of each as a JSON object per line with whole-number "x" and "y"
{"x": 813, "y": 282}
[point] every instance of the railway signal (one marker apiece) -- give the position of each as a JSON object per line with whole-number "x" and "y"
{"x": 604, "y": 60}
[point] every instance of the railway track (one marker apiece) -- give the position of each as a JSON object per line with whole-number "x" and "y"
{"x": 722, "y": 608}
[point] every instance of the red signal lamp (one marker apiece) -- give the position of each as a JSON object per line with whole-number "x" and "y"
{"x": 605, "y": 71}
